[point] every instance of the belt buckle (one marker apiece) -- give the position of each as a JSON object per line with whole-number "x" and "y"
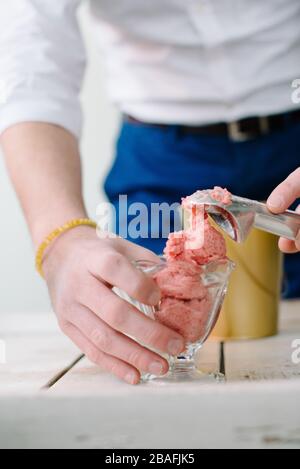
{"x": 237, "y": 135}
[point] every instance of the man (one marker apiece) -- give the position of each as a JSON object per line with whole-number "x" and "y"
{"x": 205, "y": 89}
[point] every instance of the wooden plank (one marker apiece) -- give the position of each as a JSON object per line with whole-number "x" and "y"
{"x": 35, "y": 351}
{"x": 91, "y": 409}
{"x": 242, "y": 415}
{"x": 289, "y": 320}
{"x": 269, "y": 358}
{"x": 88, "y": 378}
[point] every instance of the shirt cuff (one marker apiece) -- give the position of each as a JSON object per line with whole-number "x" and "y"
{"x": 65, "y": 114}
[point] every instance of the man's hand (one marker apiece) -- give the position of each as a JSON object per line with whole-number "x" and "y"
{"x": 80, "y": 270}
{"x": 280, "y": 200}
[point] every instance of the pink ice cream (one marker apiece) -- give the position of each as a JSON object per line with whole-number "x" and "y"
{"x": 221, "y": 195}
{"x": 186, "y": 301}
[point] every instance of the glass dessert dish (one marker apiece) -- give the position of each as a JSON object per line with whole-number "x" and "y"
{"x": 191, "y": 303}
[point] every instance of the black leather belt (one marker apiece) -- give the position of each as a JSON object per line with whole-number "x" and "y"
{"x": 237, "y": 131}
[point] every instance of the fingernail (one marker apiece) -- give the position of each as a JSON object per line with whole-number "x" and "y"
{"x": 276, "y": 201}
{"x": 154, "y": 298}
{"x": 131, "y": 378}
{"x": 175, "y": 346}
{"x": 156, "y": 368}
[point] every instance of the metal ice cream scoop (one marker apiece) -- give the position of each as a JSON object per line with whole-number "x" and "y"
{"x": 238, "y": 218}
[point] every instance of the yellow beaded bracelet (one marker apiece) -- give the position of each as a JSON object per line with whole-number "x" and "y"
{"x": 55, "y": 234}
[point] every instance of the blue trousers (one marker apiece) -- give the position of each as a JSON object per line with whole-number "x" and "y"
{"x": 155, "y": 164}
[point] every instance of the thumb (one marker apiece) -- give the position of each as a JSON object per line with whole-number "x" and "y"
{"x": 288, "y": 246}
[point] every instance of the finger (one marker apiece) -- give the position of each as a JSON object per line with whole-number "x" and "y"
{"x": 111, "y": 364}
{"x": 298, "y": 236}
{"x": 132, "y": 250}
{"x": 287, "y": 246}
{"x": 285, "y": 194}
{"x": 124, "y": 317}
{"x": 115, "y": 269}
{"x": 116, "y": 344}
{"x": 136, "y": 252}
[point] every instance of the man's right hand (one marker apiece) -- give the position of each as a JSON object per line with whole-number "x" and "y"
{"x": 80, "y": 270}
{"x": 280, "y": 200}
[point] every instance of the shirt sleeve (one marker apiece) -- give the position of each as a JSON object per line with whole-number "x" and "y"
{"x": 42, "y": 62}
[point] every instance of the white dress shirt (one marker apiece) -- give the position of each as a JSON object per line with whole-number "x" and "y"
{"x": 169, "y": 61}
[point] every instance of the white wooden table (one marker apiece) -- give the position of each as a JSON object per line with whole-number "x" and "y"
{"x": 50, "y": 399}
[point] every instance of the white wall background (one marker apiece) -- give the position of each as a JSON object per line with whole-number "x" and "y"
{"x": 21, "y": 290}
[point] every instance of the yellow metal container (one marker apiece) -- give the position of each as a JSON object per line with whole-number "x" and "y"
{"x": 251, "y": 305}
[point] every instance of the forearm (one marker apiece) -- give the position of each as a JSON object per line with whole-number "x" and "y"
{"x": 44, "y": 165}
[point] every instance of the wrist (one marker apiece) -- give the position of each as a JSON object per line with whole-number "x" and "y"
{"x": 82, "y": 228}
{"x": 63, "y": 247}
{"x": 41, "y": 227}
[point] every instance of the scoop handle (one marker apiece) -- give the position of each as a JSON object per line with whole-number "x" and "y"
{"x": 285, "y": 224}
